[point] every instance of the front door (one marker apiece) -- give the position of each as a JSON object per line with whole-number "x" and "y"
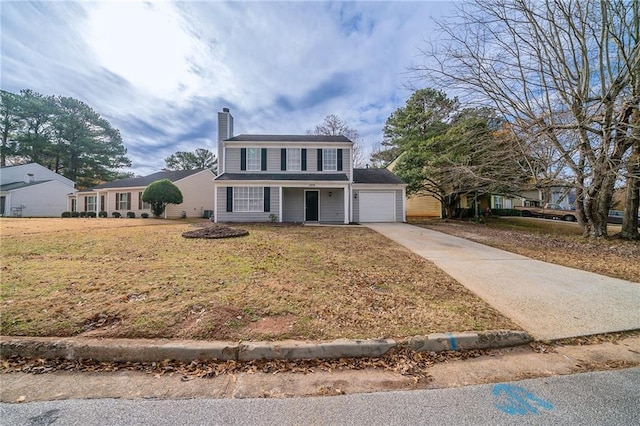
{"x": 311, "y": 206}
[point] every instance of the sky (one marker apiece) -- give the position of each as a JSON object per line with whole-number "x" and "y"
{"x": 159, "y": 71}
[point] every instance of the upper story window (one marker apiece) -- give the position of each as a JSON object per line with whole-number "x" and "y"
{"x": 294, "y": 159}
{"x": 253, "y": 159}
{"x": 330, "y": 159}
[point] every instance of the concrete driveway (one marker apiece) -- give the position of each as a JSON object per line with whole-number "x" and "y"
{"x": 548, "y": 301}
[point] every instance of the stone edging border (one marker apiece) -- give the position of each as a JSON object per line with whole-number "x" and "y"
{"x": 142, "y": 350}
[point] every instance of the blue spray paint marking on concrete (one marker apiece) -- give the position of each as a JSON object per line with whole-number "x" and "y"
{"x": 453, "y": 345}
{"x": 518, "y": 401}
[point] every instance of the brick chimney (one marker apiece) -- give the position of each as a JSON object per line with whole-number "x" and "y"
{"x": 225, "y": 131}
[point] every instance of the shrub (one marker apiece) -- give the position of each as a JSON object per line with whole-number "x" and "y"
{"x": 103, "y": 214}
{"x": 91, "y": 214}
{"x": 159, "y": 194}
{"x": 461, "y": 213}
{"x": 75, "y": 214}
{"x": 131, "y": 215}
{"x": 144, "y": 215}
{"x": 116, "y": 214}
{"x": 83, "y": 214}
{"x": 66, "y": 214}
{"x": 505, "y": 212}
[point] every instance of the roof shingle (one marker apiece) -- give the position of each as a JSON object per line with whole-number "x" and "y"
{"x": 172, "y": 175}
{"x": 375, "y": 176}
{"x": 288, "y": 138}
{"x": 331, "y": 177}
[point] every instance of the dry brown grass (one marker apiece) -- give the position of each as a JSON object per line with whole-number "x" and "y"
{"x": 140, "y": 278}
{"x": 551, "y": 241}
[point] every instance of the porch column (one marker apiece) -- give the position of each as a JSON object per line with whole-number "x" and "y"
{"x": 215, "y": 204}
{"x": 280, "y": 203}
{"x": 347, "y": 198}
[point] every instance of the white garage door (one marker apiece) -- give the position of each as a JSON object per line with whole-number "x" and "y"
{"x": 377, "y": 206}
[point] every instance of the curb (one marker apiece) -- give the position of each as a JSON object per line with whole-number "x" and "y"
{"x": 142, "y": 350}
{"x": 458, "y": 341}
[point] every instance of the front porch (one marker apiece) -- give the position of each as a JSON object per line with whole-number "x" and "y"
{"x": 313, "y": 204}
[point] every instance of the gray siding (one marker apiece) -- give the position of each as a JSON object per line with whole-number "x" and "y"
{"x": 399, "y": 200}
{"x": 225, "y": 216}
{"x": 233, "y": 160}
{"x": 312, "y": 159}
{"x": 346, "y": 161}
{"x": 331, "y": 207}
{"x": 293, "y": 205}
{"x": 273, "y": 160}
{"x": 355, "y": 200}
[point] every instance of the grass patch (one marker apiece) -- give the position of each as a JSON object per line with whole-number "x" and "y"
{"x": 551, "y": 241}
{"x": 141, "y": 278}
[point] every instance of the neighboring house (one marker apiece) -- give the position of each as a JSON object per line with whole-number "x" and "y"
{"x": 499, "y": 201}
{"x": 299, "y": 178}
{"x": 32, "y": 190}
{"x": 125, "y": 195}
{"x": 423, "y": 206}
{"x": 420, "y": 205}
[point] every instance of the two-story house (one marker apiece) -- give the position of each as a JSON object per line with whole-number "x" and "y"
{"x": 299, "y": 178}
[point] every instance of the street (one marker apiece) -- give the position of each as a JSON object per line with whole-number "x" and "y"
{"x": 609, "y": 397}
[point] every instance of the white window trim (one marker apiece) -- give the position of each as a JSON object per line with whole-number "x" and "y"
{"x": 93, "y": 204}
{"x": 327, "y": 165}
{"x": 254, "y": 159}
{"x": 248, "y": 199}
{"x": 124, "y": 202}
{"x": 297, "y": 165}
{"x": 498, "y": 200}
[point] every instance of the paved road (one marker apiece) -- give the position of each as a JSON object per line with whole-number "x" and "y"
{"x": 585, "y": 399}
{"x": 549, "y": 301}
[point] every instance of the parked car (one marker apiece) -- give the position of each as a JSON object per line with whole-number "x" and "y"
{"x": 615, "y": 216}
{"x": 549, "y": 211}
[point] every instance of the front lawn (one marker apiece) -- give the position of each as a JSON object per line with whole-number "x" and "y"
{"x": 141, "y": 278}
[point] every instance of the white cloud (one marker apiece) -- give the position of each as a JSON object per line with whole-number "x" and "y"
{"x": 144, "y": 43}
{"x": 159, "y": 71}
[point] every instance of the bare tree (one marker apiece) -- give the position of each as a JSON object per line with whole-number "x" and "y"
{"x": 335, "y": 126}
{"x": 563, "y": 73}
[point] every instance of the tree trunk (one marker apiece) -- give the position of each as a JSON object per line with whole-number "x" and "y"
{"x": 3, "y": 150}
{"x": 632, "y": 197}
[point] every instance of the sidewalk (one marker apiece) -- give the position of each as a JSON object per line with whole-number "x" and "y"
{"x": 548, "y": 301}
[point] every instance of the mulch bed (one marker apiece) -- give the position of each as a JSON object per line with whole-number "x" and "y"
{"x": 215, "y": 231}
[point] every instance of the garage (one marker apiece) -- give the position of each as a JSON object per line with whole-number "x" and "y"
{"x": 377, "y": 206}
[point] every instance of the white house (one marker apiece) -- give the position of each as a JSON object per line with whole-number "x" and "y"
{"x": 32, "y": 190}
